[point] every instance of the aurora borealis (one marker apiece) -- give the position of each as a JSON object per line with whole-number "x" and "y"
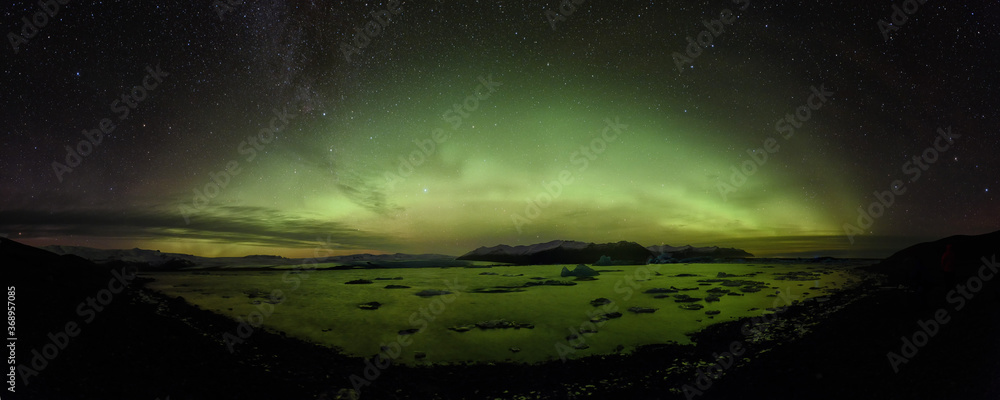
{"x": 274, "y": 123}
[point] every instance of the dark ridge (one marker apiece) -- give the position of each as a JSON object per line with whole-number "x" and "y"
{"x": 622, "y": 252}
{"x": 907, "y": 265}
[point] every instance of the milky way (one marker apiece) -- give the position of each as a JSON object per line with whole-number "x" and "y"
{"x": 432, "y": 127}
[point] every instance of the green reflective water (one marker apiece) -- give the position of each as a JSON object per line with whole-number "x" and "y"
{"x": 318, "y": 306}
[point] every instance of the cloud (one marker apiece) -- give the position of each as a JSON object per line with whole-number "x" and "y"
{"x": 226, "y": 224}
{"x": 365, "y": 193}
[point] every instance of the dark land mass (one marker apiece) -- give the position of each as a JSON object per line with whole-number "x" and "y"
{"x": 722, "y": 252}
{"x": 921, "y": 262}
{"x": 690, "y": 252}
{"x": 569, "y": 253}
{"x": 154, "y": 260}
{"x": 143, "y": 345}
{"x": 620, "y": 253}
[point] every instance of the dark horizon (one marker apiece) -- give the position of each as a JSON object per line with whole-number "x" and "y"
{"x": 901, "y": 243}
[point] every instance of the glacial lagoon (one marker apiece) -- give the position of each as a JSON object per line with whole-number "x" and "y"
{"x": 544, "y": 309}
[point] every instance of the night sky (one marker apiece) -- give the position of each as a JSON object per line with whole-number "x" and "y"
{"x": 260, "y": 127}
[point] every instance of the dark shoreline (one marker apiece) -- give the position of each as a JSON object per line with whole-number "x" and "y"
{"x": 146, "y": 345}
{"x": 189, "y": 359}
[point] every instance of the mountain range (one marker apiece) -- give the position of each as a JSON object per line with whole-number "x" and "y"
{"x": 167, "y": 261}
{"x": 573, "y": 252}
{"x": 689, "y": 251}
{"x": 553, "y": 252}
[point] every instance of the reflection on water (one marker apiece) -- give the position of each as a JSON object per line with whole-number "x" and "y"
{"x": 436, "y": 326}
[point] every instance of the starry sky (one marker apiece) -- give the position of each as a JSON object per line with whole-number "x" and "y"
{"x": 270, "y": 126}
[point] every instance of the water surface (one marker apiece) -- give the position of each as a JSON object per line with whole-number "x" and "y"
{"x": 320, "y": 307}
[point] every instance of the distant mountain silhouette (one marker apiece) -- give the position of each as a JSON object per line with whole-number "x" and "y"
{"x": 26, "y": 263}
{"x": 689, "y": 251}
{"x": 968, "y": 252}
{"x": 561, "y": 252}
{"x": 154, "y": 259}
{"x": 574, "y": 252}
